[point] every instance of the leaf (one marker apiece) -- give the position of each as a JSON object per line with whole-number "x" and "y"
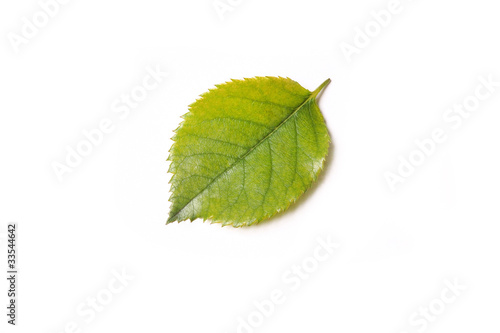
{"x": 246, "y": 150}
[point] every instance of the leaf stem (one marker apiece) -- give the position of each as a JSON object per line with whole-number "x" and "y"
{"x": 321, "y": 87}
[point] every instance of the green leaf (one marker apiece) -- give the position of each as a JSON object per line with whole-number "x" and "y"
{"x": 246, "y": 150}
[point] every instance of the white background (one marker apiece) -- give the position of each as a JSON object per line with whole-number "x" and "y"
{"x": 397, "y": 248}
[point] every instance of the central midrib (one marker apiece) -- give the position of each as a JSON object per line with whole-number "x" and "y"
{"x": 242, "y": 157}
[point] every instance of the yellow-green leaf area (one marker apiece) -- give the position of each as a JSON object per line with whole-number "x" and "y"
{"x": 246, "y": 150}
